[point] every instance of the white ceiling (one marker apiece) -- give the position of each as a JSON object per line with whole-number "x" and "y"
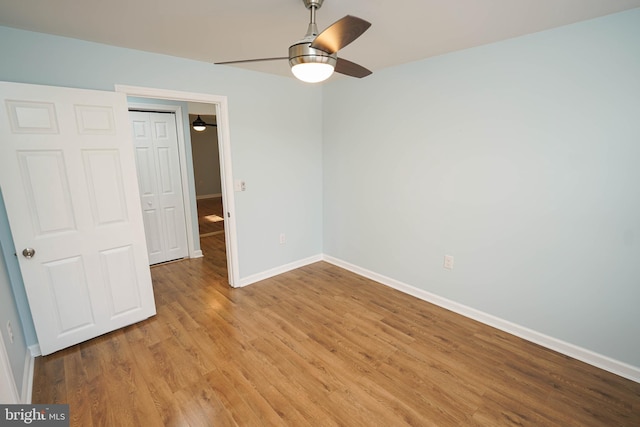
{"x": 224, "y": 30}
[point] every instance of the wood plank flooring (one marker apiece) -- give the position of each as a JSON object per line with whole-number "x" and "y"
{"x": 210, "y": 216}
{"x": 318, "y": 346}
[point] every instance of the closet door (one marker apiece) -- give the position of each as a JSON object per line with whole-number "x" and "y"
{"x": 157, "y": 159}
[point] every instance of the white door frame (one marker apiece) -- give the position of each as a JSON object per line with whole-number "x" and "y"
{"x": 184, "y": 176}
{"x": 226, "y": 176}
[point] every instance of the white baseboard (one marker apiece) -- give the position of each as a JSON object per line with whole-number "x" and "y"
{"x": 208, "y": 196}
{"x": 277, "y": 270}
{"x": 34, "y": 350}
{"x": 603, "y": 362}
{"x": 196, "y": 254}
{"x": 27, "y": 378}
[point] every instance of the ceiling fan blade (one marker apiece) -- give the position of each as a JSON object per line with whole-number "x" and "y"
{"x": 351, "y": 69}
{"x": 251, "y": 60}
{"x": 340, "y": 34}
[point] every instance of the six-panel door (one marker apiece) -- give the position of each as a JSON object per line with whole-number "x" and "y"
{"x": 68, "y": 176}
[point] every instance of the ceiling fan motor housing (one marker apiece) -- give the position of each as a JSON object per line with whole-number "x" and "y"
{"x": 312, "y": 3}
{"x": 303, "y": 53}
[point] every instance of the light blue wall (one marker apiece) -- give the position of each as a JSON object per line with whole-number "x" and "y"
{"x": 275, "y": 128}
{"x": 9, "y": 308}
{"x": 521, "y": 159}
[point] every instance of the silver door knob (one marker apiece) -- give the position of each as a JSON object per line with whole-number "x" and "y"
{"x": 29, "y": 253}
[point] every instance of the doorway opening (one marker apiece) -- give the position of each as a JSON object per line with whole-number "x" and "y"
{"x": 219, "y": 105}
{"x": 206, "y": 171}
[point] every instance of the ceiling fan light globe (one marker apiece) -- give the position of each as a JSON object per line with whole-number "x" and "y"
{"x": 312, "y": 72}
{"x": 311, "y": 65}
{"x": 198, "y": 128}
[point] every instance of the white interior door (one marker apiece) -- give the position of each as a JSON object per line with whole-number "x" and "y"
{"x": 68, "y": 175}
{"x": 158, "y": 164}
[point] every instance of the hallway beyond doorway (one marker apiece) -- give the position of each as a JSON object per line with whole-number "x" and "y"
{"x": 210, "y": 216}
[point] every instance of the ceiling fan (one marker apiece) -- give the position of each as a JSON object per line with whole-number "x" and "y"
{"x": 315, "y": 57}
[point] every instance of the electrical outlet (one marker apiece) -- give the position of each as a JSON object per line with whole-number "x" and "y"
{"x": 283, "y": 238}
{"x": 10, "y": 331}
{"x": 448, "y": 262}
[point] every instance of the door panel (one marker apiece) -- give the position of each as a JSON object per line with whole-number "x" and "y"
{"x": 106, "y": 189}
{"x": 156, "y": 141}
{"x": 32, "y": 117}
{"x": 153, "y": 235}
{"x": 171, "y": 218}
{"x": 95, "y": 120}
{"x": 119, "y": 272}
{"x": 146, "y": 171}
{"x": 68, "y": 176}
{"x": 164, "y": 168}
{"x": 70, "y": 294}
{"x": 46, "y": 187}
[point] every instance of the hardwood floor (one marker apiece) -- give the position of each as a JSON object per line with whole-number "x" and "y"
{"x": 323, "y": 347}
{"x": 210, "y": 216}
